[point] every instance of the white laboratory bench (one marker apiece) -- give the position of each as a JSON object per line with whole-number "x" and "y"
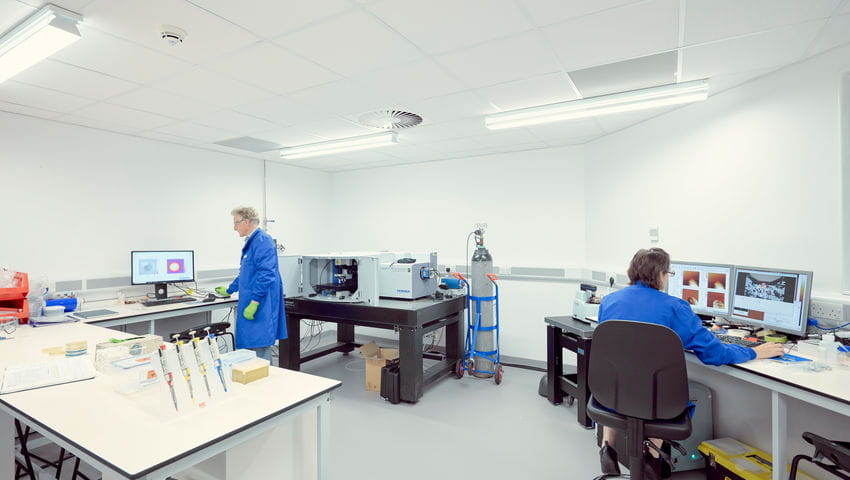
{"x": 278, "y": 424}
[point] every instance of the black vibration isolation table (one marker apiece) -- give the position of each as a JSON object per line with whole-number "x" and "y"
{"x": 576, "y": 336}
{"x": 412, "y": 319}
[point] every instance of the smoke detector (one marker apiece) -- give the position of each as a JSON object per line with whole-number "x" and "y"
{"x": 173, "y": 35}
{"x": 389, "y": 119}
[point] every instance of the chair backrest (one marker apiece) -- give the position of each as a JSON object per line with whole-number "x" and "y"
{"x": 638, "y": 369}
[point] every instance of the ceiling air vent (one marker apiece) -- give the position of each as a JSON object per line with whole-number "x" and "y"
{"x": 390, "y": 119}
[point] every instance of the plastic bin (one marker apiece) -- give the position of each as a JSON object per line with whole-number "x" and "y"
{"x": 16, "y": 293}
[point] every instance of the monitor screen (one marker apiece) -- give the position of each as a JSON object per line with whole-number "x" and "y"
{"x": 772, "y": 299}
{"x": 706, "y": 286}
{"x": 164, "y": 266}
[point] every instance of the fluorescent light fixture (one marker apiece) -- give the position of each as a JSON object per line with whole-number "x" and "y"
{"x": 44, "y": 33}
{"x": 338, "y": 146}
{"x": 672, "y": 94}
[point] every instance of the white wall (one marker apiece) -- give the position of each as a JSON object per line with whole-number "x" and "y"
{"x": 533, "y": 203}
{"x": 77, "y": 200}
{"x": 750, "y": 177}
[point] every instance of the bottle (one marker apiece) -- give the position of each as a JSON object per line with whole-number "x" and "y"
{"x": 828, "y": 349}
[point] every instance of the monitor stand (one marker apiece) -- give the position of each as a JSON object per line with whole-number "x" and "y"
{"x": 160, "y": 290}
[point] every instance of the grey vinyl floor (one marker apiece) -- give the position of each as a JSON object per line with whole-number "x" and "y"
{"x": 461, "y": 428}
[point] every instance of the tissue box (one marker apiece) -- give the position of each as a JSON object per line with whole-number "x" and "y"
{"x": 247, "y": 372}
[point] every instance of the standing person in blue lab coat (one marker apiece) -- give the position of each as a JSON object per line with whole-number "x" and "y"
{"x": 260, "y": 316}
{"x": 644, "y": 300}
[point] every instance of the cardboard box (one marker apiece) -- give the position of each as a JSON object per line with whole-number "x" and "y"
{"x": 247, "y": 372}
{"x": 375, "y": 359}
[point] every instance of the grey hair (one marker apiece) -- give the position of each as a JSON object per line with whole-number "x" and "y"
{"x": 249, "y": 213}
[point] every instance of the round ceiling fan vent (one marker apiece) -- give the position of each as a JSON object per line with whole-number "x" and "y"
{"x": 390, "y": 119}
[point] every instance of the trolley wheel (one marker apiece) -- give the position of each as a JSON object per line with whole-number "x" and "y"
{"x": 499, "y": 374}
{"x": 571, "y": 400}
{"x": 470, "y": 366}
{"x": 458, "y": 373}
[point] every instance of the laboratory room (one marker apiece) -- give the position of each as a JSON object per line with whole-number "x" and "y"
{"x": 425, "y": 239}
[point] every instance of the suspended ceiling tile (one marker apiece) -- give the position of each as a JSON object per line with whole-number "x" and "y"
{"x": 427, "y": 134}
{"x": 195, "y": 131}
{"x": 566, "y": 131}
{"x": 350, "y": 44}
{"x": 720, "y": 83}
{"x": 73, "y": 80}
{"x": 642, "y": 72}
{"x": 517, "y": 57}
{"x": 335, "y": 128}
{"x": 289, "y": 136}
{"x": 207, "y": 35}
{"x": 506, "y": 138}
{"x": 541, "y": 90}
{"x": 96, "y": 123}
{"x": 165, "y": 137}
{"x": 619, "y": 121}
{"x": 234, "y": 121}
{"x": 272, "y": 68}
{"x": 835, "y": 33}
{"x": 282, "y": 110}
{"x": 119, "y": 115}
{"x": 546, "y": 12}
{"x": 109, "y": 55}
{"x": 13, "y": 13}
{"x": 73, "y": 5}
{"x": 411, "y": 81}
{"x": 708, "y": 20}
{"x": 269, "y": 19}
{"x": 212, "y": 88}
{"x": 634, "y": 30}
{"x": 438, "y": 26}
{"x": 160, "y": 101}
{"x": 451, "y": 107}
{"x": 37, "y": 97}
{"x": 752, "y": 52}
{"x": 25, "y": 110}
{"x": 457, "y": 145}
{"x": 341, "y": 97}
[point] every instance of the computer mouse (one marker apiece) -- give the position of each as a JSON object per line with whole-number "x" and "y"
{"x": 406, "y": 260}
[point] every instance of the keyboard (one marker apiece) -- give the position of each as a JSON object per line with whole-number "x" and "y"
{"x": 744, "y": 342}
{"x": 153, "y": 302}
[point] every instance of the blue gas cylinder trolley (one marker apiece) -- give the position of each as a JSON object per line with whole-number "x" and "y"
{"x": 470, "y": 354}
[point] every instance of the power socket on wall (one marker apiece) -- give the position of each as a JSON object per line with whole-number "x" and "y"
{"x": 826, "y": 310}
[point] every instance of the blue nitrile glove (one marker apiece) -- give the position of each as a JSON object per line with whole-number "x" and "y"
{"x": 250, "y": 310}
{"x": 222, "y": 291}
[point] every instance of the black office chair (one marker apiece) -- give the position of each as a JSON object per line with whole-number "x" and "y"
{"x": 832, "y": 451}
{"x": 638, "y": 370}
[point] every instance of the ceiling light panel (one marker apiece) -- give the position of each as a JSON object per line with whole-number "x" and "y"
{"x": 47, "y": 31}
{"x": 334, "y": 147}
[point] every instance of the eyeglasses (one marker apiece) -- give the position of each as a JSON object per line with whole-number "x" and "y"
{"x": 671, "y": 273}
{"x": 237, "y": 223}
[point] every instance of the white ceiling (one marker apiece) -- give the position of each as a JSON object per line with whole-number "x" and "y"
{"x": 295, "y": 72}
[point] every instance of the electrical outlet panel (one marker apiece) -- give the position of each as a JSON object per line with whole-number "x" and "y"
{"x": 826, "y": 310}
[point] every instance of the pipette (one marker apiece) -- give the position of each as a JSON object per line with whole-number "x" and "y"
{"x": 167, "y": 375}
{"x": 183, "y": 366}
{"x": 196, "y": 343}
{"x": 216, "y": 356}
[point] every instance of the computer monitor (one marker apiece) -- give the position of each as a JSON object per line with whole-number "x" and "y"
{"x": 705, "y": 286}
{"x": 161, "y": 267}
{"x": 772, "y": 299}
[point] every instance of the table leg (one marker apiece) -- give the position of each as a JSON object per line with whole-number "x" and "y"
{"x": 410, "y": 363}
{"x": 582, "y": 363}
{"x": 289, "y": 350}
{"x": 454, "y": 338}
{"x": 554, "y": 365}
{"x": 779, "y": 431}
{"x": 344, "y": 333}
{"x": 323, "y": 440}
{"x": 7, "y": 445}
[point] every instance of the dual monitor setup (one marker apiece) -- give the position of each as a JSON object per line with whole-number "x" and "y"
{"x": 759, "y": 297}
{"x": 161, "y": 267}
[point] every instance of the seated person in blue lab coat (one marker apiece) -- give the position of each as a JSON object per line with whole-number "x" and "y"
{"x": 644, "y": 300}
{"x": 260, "y": 316}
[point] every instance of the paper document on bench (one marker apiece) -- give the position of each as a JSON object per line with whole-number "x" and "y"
{"x": 46, "y": 373}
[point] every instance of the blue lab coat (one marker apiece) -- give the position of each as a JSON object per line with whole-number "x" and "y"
{"x": 259, "y": 279}
{"x": 643, "y": 303}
